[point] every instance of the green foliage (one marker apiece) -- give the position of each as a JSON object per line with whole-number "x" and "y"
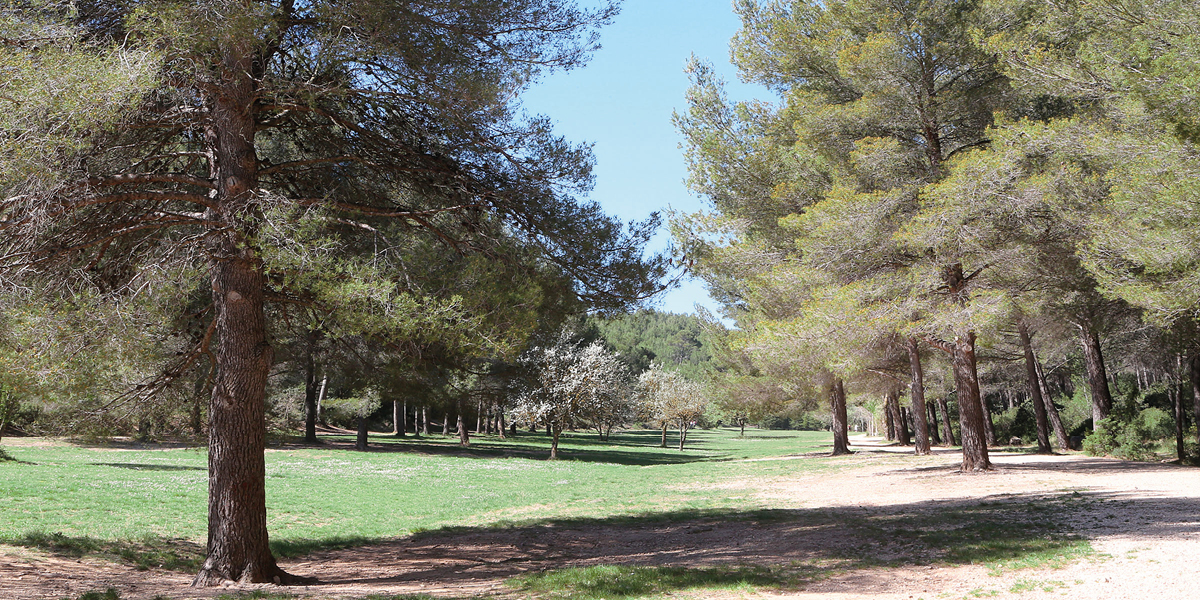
{"x": 108, "y": 594}
{"x": 1132, "y": 437}
{"x": 676, "y": 342}
{"x": 622, "y": 582}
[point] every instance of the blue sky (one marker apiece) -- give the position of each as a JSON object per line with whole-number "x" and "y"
{"x": 622, "y": 103}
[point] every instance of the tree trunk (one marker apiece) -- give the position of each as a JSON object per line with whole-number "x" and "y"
{"x": 682, "y": 429}
{"x": 321, "y": 399}
{"x": 989, "y": 428}
{"x": 970, "y": 407}
{"x": 947, "y": 427}
{"x": 890, "y": 417}
{"x": 1180, "y": 451}
{"x": 238, "y": 548}
{"x": 425, "y": 420}
{"x": 1035, "y": 392}
{"x": 556, "y": 431}
{"x": 500, "y": 422}
{"x": 917, "y": 391}
{"x": 663, "y": 444}
{"x": 360, "y": 443}
{"x": 1194, "y": 369}
{"x": 742, "y": 423}
{"x": 1097, "y": 379}
{"x": 311, "y": 395}
{"x": 1060, "y": 432}
{"x": 837, "y": 405}
{"x": 478, "y": 418}
{"x": 446, "y": 422}
{"x": 934, "y": 436}
{"x": 464, "y": 438}
{"x": 397, "y": 418}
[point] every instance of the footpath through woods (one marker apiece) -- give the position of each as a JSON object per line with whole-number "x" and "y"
{"x": 887, "y": 525}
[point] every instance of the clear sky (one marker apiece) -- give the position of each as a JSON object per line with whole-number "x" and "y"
{"x": 622, "y": 103}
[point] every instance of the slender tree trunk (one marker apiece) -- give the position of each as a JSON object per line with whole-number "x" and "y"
{"x": 1060, "y": 432}
{"x": 403, "y": 420}
{"x": 556, "y": 431}
{"x": 901, "y": 420}
{"x": 500, "y": 422}
{"x": 1035, "y": 392}
{"x": 1194, "y": 371}
{"x": 890, "y": 417}
{"x": 934, "y": 437}
{"x": 989, "y": 428}
{"x": 360, "y": 442}
{"x": 970, "y": 407}
{"x": 663, "y": 444}
{"x": 321, "y": 399}
{"x": 837, "y": 405}
{"x": 947, "y": 427}
{"x": 479, "y": 418}
{"x": 682, "y": 429}
{"x": 1180, "y": 451}
{"x": 917, "y": 391}
{"x": 742, "y": 423}
{"x": 238, "y": 547}
{"x": 464, "y": 438}
{"x": 425, "y": 420}
{"x": 1097, "y": 378}
{"x": 446, "y": 422}
{"x": 311, "y": 395}
{"x": 397, "y": 418}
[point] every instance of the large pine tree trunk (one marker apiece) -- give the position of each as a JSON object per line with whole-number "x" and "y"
{"x": 917, "y": 390}
{"x": 970, "y": 407}
{"x": 1035, "y": 392}
{"x": 837, "y": 405}
{"x": 1060, "y": 432}
{"x": 890, "y": 418}
{"x": 1093, "y": 359}
{"x": 238, "y": 548}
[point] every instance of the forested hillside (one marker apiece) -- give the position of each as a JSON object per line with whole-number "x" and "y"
{"x": 677, "y": 342}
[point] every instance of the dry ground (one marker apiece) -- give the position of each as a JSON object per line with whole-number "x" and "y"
{"x": 1142, "y": 519}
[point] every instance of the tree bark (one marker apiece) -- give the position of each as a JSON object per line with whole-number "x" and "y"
{"x": 934, "y": 437}
{"x": 917, "y": 391}
{"x": 663, "y": 444}
{"x": 947, "y": 428}
{"x": 989, "y": 428}
{"x": 890, "y": 418}
{"x": 1060, "y": 432}
{"x": 360, "y": 442}
{"x": 1093, "y": 358}
{"x": 425, "y": 420}
{"x": 970, "y": 407}
{"x": 500, "y": 421}
{"x": 238, "y": 548}
{"x": 837, "y": 402}
{"x": 556, "y": 431}
{"x": 1180, "y": 451}
{"x": 1194, "y": 371}
{"x": 1035, "y": 392}
{"x": 398, "y": 417}
{"x": 311, "y": 395}
{"x": 321, "y": 399}
{"x": 464, "y": 438}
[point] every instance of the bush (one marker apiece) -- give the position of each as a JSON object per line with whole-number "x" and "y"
{"x": 1131, "y": 437}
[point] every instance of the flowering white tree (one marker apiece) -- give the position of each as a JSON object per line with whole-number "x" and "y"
{"x": 575, "y": 385}
{"x": 666, "y": 398}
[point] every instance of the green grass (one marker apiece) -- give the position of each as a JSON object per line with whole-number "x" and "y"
{"x": 621, "y": 582}
{"x": 147, "y": 506}
{"x": 320, "y": 498}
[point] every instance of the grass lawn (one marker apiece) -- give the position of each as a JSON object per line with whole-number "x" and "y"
{"x": 322, "y": 497}
{"x": 147, "y": 506}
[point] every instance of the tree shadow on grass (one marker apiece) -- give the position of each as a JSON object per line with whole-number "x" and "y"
{"x": 571, "y": 449}
{"x": 149, "y": 467}
{"x": 784, "y": 549}
{"x": 149, "y": 552}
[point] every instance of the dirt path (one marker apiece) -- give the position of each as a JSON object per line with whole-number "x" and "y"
{"x": 844, "y": 535}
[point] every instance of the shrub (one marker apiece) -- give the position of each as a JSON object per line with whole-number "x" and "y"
{"x": 1133, "y": 437}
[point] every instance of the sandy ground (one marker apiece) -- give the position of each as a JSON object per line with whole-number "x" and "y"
{"x": 1142, "y": 519}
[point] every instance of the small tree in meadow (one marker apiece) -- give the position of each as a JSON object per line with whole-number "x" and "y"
{"x": 666, "y": 398}
{"x": 575, "y": 385}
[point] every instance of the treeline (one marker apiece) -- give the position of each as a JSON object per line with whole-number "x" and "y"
{"x": 975, "y": 214}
